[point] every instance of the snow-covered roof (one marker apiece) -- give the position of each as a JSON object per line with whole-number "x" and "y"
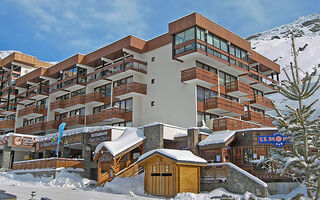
{"x": 217, "y": 138}
{"x": 177, "y": 155}
{"x": 247, "y": 174}
{"x": 129, "y": 138}
{"x": 258, "y": 129}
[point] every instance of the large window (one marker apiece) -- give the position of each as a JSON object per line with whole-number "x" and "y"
{"x": 105, "y": 90}
{"x": 206, "y": 67}
{"x": 78, "y": 92}
{"x": 224, "y": 78}
{"x": 124, "y": 104}
{"x": 123, "y": 81}
{"x": 77, "y": 112}
{"x": 100, "y": 108}
{"x": 184, "y": 36}
{"x": 204, "y": 93}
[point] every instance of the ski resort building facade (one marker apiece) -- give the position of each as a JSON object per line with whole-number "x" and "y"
{"x": 197, "y": 71}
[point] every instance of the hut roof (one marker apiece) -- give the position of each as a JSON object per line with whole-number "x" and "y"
{"x": 217, "y": 138}
{"x": 176, "y": 155}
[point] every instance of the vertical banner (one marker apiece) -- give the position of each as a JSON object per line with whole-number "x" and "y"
{"x": 61, "y": 128}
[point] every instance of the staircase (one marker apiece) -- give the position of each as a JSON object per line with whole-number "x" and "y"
{"x": 131, "y": 171}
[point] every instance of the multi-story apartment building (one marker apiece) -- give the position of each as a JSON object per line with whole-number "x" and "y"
{"x": 12, "y": 67}
{"x": 196, "y": 71}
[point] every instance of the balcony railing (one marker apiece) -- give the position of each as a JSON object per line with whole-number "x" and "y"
{"x": 32, "y": 111}
{"x": 32, "y": 128}
{"x": 7, "y": 109}
{"x": 228, "y": 123}
{"x": 261, "y": 103}
{"x": 50, "y": 125}
{"x": 109, "y": 115}
{"x": 131, "y": 64}
{"x": 66, "y": 103}
{"x": 197, "y": 74}
{"x": 132, "y": 87}
{"x": 51, "y": 163}
{"x": 74, "y": 120}
{"x": 6, "y": 124}
{"x": 238, "y": 89}
{"x": 258, "y": 118}
{"x": 68, "y": 82}
{"x": 219, "y": 105}
{"x": 96, "y": 97}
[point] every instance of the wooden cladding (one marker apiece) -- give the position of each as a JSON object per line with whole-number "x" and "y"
{"x": 48, "y": 163}
{"x": 199, "y": 73}
{"x": 258, "y": 118}
{"x": 262, "y": 102}
{"x": 40, "y": 110}
{"x": 232, "y": 124}
{"x": 6, "y": 124}
{"x": 107, "y": 114}
{"x": 224, "y": 105}
{"x": 132, "y": 87}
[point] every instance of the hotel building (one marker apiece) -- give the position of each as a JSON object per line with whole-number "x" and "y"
{"x": 12, "y": 67}
{"x": 196, "y": 71}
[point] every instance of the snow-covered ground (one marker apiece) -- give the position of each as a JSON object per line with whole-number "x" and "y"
{"x": 71, "y": 186}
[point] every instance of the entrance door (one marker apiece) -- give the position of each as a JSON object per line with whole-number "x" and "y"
{"x": 162, "y": 179}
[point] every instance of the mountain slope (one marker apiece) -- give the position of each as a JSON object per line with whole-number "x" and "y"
{"x": 275, "y": 44}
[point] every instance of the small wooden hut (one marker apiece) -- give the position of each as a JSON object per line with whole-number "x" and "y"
{"x": 169, "y": 172}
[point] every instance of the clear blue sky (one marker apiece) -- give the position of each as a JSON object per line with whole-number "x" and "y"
{"x": 53, "y": 30}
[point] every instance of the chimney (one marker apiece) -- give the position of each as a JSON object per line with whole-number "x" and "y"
{"x": 193, "y": 140}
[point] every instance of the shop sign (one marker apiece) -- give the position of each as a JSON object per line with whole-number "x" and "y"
{"x": 277, "y": 139}
{"x": 73, "y": 139}
{"x": 22, "y": 141}
{"x": 3, "y": 140}
{"x": 96, "y": 138}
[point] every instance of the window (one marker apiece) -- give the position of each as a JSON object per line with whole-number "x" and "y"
{"x": 216, "y": 42}
{"x": 78, "y": 92}
{"x": 100, "y": 108}
{"x": 247, "y": 156}
{"x": 125, "y": 104}
{"x": 184, "y": 36}
{"x": 204, "y": 93}
{"x": 224, "y": 46}
{"x": 105, "y": 90}
{"x": 123, "y": 81}
{"x": 231, "y": 50}
{"x": 152, "y": 103}
{"x": 77, "y": 112}
{"x": 224, "y": 78}
{"x": 210, "y": 39}
{"x": 238, "y": 53}
{"x": 63, "y": 97}
{"x": 153, "y": 59}
{"x": 152, "y": 81}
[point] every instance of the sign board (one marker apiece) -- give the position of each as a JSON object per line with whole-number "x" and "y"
{"x": 277, "y": 139}
{"x": 22, "y": 141}
{"x": 73, "y": 139}
{"x": 98, "y": 137}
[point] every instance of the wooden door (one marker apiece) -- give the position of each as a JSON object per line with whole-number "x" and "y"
{"x": 160, "y": 180}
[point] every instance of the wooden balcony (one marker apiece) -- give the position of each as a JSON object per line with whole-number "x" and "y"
{"x": 31, "y": 129}
{"x": 51, "y": 163}
{"x": 51, "y": 125}
{"x": 109, "y": 115}
{"x": 228, "y": 123}
{"x": 33, "y": 94}
{"x": 6, "y": 109}
{"x": 239, "y": 89}
{"x": 96, "y": 99}
{"x": 258, "y": 118}
{"x": 129, "y": 90}
{"x": 67, "y": 104}
{"x": 32, "y": 111}
{"x": 74, "y": 121}
{"x": 199, "y": 76}
{"x": 7, "y": 124}
{"x": 262, "y": 103}
{"x": 222, "y": 106}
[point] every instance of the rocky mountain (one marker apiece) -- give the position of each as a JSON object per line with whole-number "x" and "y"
{"x": 275, "y": 44}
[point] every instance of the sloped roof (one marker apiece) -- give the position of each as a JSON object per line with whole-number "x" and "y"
{"x": 129, "y": 138}
{"x": 177, "y": 155}
{"x": 217, "y": 137}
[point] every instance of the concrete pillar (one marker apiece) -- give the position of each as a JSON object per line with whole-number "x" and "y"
{"x": 193, "y": 140}
{"x": 6, "y": 158}
{"x": 86, "y": 155}
{"x": 154, "y": 137}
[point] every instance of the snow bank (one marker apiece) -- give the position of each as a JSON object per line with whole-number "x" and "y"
{"x": 129, "y": 186}
{"x": 178, "y": 155}
{"x": 63, "y": 179}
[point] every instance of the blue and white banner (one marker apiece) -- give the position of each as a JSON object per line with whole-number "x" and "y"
{"x": 61, "y": 128}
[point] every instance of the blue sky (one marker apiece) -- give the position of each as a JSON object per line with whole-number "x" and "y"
{"x": 53, "y": 30}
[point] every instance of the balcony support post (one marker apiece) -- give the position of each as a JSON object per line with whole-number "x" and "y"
{"x": 86, "y": 155}
{"x": 6, "y": 158}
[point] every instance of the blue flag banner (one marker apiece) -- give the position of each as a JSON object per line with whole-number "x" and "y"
{"x": 277, "y": 139}
{"x": 61, "y": 128}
